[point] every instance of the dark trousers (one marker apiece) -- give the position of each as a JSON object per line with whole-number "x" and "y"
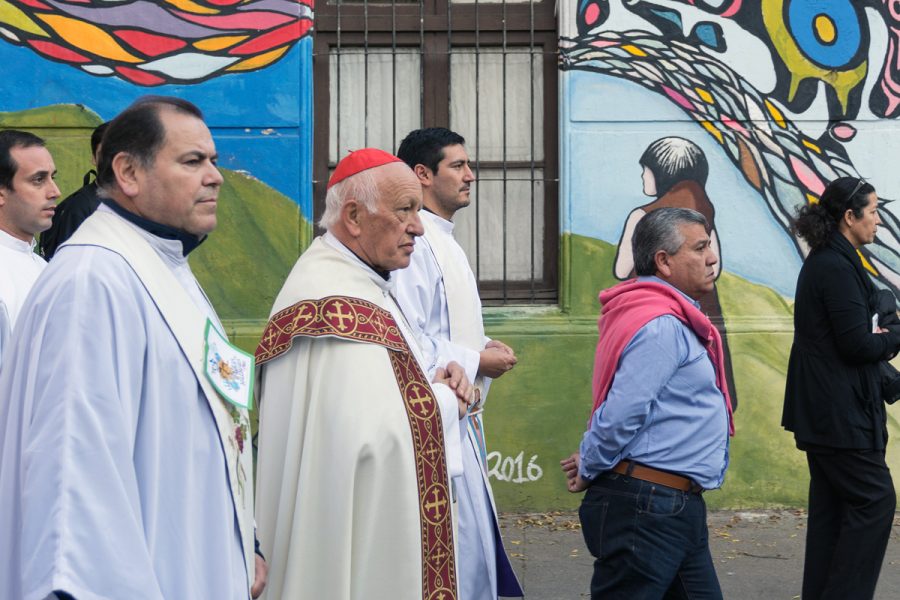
{"x": 851, "y": 509}
{"x": 649, "y": 541}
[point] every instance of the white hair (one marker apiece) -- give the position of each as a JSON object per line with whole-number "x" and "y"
{"x": 361, "y": 187}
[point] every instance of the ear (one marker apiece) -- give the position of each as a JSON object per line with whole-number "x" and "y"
{"x": 849, "y": 217}
{"x": 126, "y": 171}
{"x": 351, "y": 213}
{"x": 3, "y": 194}
{"x": 424, "y": 174}
{"x": 663, "y": 267}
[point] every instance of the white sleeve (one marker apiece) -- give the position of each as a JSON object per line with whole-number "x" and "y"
{"x": 446, "y": 399}
{"x": 419, "y": 292}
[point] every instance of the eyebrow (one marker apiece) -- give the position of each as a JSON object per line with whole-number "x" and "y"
{"x": 200, "y": 154}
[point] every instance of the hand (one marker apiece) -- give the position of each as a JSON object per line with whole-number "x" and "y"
{"x": 454, "y": 377}
{"x": 570, "y": 466}
{"x": 261, "y": 577}
{"x": 496, "y": 359}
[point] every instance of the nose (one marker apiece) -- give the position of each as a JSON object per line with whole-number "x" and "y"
{"x": 415, "y": 225}
{"x": 877, "y": 218}
{"x": 468, "y": 176}
{"x": 213, "y": 176}
{"x": 53, "y": 190}
{"x": 711, "y": 257}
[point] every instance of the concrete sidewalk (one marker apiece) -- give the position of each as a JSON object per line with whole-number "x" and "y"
{"x": 758, "y": 555}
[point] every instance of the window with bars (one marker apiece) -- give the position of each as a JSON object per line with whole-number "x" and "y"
{"x": 485, "y": 69}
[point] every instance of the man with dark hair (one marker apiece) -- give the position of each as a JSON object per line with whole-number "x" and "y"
{"x": 126, "y": 470}
{"x": 439, "y": 296}
{"x": 28, "y": 196}
{"x": 76, "y": 207}
{"x": 658, "y": 435}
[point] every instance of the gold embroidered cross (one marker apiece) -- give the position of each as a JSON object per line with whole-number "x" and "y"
{"x": 437, "y": 503}
{"x": 438, "y": 557}
{"x": 418, "y": 400}
{"x": 301, "y": 315}
{"x": 432, "y": 450}
{"x": 339, "y": 315}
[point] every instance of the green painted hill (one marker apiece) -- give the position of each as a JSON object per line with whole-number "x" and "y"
{"x": 242, "y": 265}
{"x": 540, "y": 409}
{"x": 247, "y": 258}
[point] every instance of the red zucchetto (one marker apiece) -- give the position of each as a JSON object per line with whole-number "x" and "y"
{"x": 360, "y": 160}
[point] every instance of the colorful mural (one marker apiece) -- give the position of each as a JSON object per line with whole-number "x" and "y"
{"x": 246, "y": 63}
{"x": 779, "y": 97}
{"x": 152, "y": 43}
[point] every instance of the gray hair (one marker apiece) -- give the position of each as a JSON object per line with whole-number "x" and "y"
{"x": 361, "y": 187}
{"x": 660, "y": 230}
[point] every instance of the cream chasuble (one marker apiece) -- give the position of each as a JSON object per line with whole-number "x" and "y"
{"x": 353, "y": 500}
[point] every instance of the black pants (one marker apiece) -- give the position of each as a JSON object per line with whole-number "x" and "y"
{"x": 851, "y": 510}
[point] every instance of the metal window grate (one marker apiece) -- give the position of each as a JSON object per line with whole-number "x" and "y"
{"x": 484, "y": 69}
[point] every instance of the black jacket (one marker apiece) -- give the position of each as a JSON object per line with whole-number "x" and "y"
{"x": 70, "y": 213}
{"x": 833, "y": 391}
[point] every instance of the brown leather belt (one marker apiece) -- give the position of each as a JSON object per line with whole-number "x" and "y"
{"x": 633, "y": 469}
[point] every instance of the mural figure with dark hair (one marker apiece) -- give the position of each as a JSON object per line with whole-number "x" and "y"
{"x": 675, "y": 171}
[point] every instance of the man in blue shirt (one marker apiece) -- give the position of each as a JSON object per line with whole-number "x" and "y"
{"x": 658, "y": 436}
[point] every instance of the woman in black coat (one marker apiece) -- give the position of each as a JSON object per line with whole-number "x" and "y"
{"x": 833, "y": 401}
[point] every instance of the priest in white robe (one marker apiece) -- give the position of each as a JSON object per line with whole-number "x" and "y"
{"x": 28, "y": 197}
{"x": 439, "y": 296}
{"x": 356, "y": 445}
{"x": 123, "y": 471}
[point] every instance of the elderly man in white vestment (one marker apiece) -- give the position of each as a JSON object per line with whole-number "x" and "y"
{"x": 439, "y": 296}
{"x": 123, "y": 471}
{"x": 28, "y": 195}
{"x": 356, "y": 443}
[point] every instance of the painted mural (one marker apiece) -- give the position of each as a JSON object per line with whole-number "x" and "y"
{"x": 71, "y": 64}
{"x": 760, "y": 104}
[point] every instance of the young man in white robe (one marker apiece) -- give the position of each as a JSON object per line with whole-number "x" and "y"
{"x": 28, "y": 197}
{"x": 439, "y": 296}
{"x": 123, "y": 471}
{"x": 356, "y": 444}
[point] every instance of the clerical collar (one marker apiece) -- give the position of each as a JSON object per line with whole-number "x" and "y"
{"x": 445, "y": 225}
{"x": 189, "y": 241}
{"x": 14, "y": 243}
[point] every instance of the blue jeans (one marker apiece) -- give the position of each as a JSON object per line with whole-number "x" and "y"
{"x": 650, "y": 541}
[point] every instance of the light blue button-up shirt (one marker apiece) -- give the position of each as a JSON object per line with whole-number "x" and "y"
{"x": 663, "y": 409}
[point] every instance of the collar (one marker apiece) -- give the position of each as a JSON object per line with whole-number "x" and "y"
{"x": 381, "y": 278}
{"x": 14, "y": 243}
{"x": 439, "y": 221}
{"x": 656, "y": 279}
{"x": 189, "y": 241}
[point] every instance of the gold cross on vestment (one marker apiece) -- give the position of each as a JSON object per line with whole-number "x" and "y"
{"x": 432, "y": 450}
{"x": 418, "y": 400}
{"x": 438, "y": 557}
{"x": 340, "y": 316}
{"x": 302, "y": 314}
{"x": 437, "y": 503}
